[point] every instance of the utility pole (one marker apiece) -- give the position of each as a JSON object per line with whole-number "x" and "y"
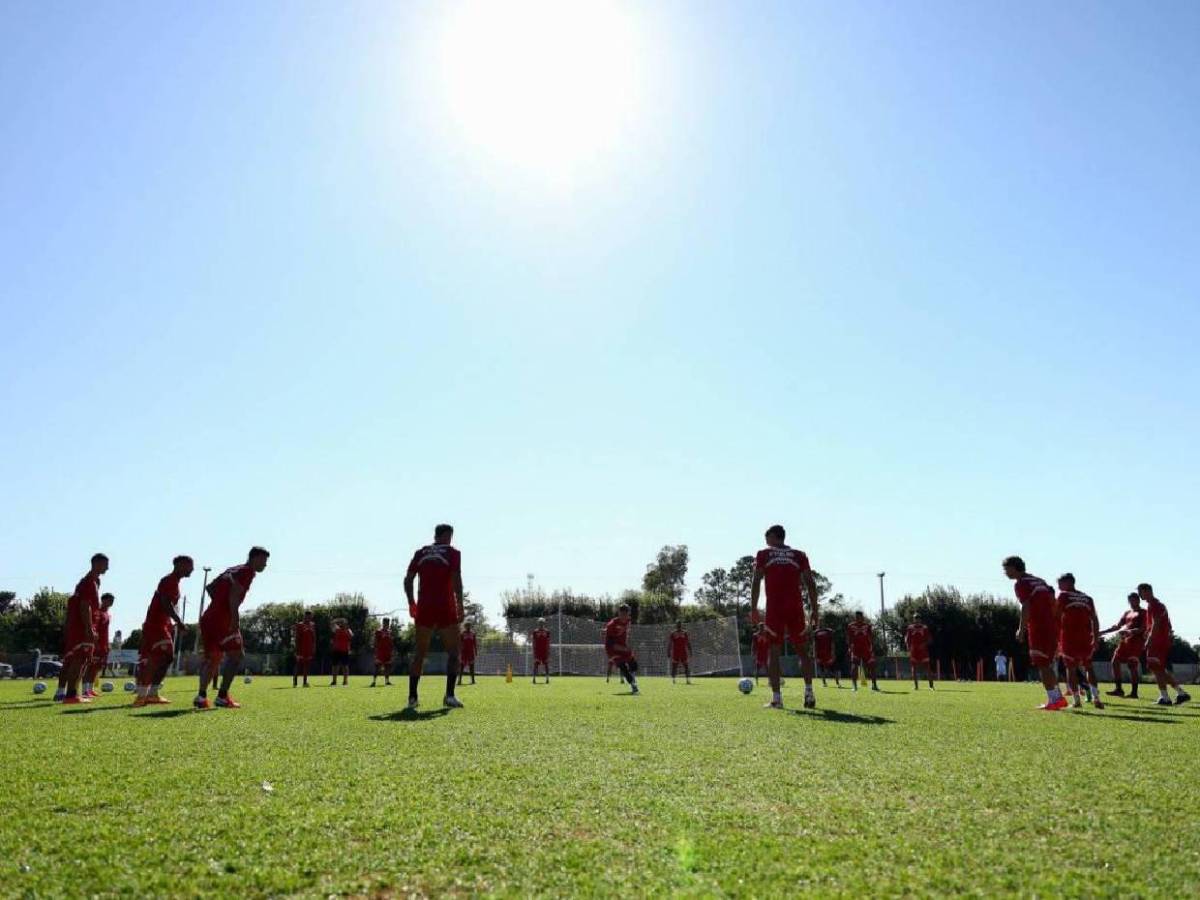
{"x": 880, "y": 577}
{"x": 203, "y": 589}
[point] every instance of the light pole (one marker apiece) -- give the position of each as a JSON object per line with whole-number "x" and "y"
{"x": 880, "y": 577}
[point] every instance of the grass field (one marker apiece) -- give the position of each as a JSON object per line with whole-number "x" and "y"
{"x": 579, "y": 788}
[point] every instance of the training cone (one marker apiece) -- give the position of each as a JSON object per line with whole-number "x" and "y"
{"x": 508, "y": 674}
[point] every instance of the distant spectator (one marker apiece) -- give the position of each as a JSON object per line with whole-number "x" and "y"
{"x": 1001, "y": 666}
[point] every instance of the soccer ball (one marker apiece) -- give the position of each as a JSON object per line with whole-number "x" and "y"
{"x": 129, "y": 686}
{"x": 746, "y": 685}
{"x": 107, "y": 687}
{"x": 246, "y": 680}
{"x": 39, "y": 687}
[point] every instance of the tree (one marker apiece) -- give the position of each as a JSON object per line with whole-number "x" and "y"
{"x": 8, "y": 600}
{"x": 667, "y": 574}
{"x": 716, "y": 591}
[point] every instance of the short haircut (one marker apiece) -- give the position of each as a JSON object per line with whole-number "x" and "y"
{"x": 179, "y": 560}
{"x": 1144, "y": 586}
{"x": 858, "y": 612}
{"x": 624, "y": 607}
{"x": 308, "y": 612}
{"x": 98, "y": 557}
{"x": 257, "y": 551}
{"x": 107, "y": 597}
{"x": 1067, "y": 577}
{"x": 442, "y": 530}
{"x": 777, "y": 531}
{"x": 1133, "y": 596}
{"x": 387, "y": 621}
{"x": 1014, "y": 562}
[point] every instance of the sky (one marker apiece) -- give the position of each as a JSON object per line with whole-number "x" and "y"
{"x": 920, "y": 282}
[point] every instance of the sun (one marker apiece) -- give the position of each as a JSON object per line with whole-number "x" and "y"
{"x": 553, "y": 86}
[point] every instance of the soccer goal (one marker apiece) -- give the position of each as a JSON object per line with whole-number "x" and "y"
{"x": 577, "y": 647}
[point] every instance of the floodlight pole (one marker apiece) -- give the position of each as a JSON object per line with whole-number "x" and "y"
{"x": 881, "y": 606}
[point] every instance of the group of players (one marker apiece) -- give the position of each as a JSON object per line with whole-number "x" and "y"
{"x": 1055, "y": 626}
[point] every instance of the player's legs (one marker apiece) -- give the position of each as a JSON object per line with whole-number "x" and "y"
{"x": 472, "y": 671}
{"x": 1117, "y": 690}
{"x": 674, "y": 666}
{"x": 421, "y": 637}
{"x": 230, "y": 666}
{"x": 1135, "y": 677}
{"x": 916, "y": 672}
{"x": 687, "y": 672}
{"x": 871, "y": 674}
{"x": 854, "y": 673}
{"x": 1073, "y": 683}
{"x": 450, "y": 641}
{"x": 806, "y": 672}
{"x": 71, "y": 670}
{"x": 1089, "y": 670}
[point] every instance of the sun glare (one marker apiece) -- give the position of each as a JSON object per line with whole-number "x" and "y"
{"x": 548, "y": 85}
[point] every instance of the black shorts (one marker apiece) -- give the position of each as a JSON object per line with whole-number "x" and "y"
{"x": 340, "y": 659}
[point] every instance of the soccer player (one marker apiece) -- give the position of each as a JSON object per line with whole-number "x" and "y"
{"x": 861, "y": 638}
{"x": 541, "y": 650}
{"x": 220, "y": 628}
{"x": 916, "y": 638}
{"x": 762, "y": 651}
{"x": 468, "y": 649}
{"x": 616, "y": 646}
{"x": 339, "y": 647}
{"x": 158, "y": 634}
{"x": 1158, "y": 647}
{"x": 1131, "y": 645}
{"x": 1039, "y": 627}
{"x": 786, "y": 571}
{"x": 826, "y": 655}
{"x": 79, "y": 633}
{"x": 1078, "y": 630}
{"x": 304, "y": 639}
{"x": 384, "y": 647}
{"x": 101, "y": 621}
{"x": 437, "y": 606}
{"x": 679, "y": 651}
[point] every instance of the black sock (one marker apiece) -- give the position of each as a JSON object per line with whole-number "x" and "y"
{"x": 413, "y": 681}
{"x": 451, "y": 674}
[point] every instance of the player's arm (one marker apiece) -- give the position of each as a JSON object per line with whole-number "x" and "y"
{"x": 810, "y": 588}
{"x": 1024, "y": 621}
{"x": 169, "y": 608}
{"x": 237, "y": 593}
{"x": 458, "y": 592}
{"x": 755, "y": 588}
{"x": 1110, "y": 630}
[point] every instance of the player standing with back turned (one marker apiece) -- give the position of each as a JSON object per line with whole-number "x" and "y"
{"x": 786, "y": 571}
{"x": 437, "y": 605}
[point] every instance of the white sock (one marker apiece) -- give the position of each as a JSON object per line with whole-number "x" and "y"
{"x": 808, "y": 690}
{"x": 1053, "y": 694}
{"x": 87, "y": 686}
{"x": 1162, "y": 692}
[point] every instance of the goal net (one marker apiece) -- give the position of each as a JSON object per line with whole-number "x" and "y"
{"x": 577, "y": 647}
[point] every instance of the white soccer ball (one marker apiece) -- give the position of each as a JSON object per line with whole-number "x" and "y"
{"x": 746, "y": 685}
{"x": 129, "y": 686}
{"x": 246, "y": 680}
{"x": 39, "y": 687}
{"x": 107, "y": 687}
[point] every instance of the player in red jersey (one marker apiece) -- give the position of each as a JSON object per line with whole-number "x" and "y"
{"x": 468, "y": 650}
{"x": 1078, "y": 632}
{"x": 339, "y": 651}
{"x": 826, "y": 655}
{"x": 220, "y": 628}
{"x": 762, "y": 651}
{"x": 1039, "y": 627}
{"x": 158, "y": 634}
{"x": 385, "y": 646}
{"x": 1158, "y": 647}
{"x": 541, "y": 650}
{"x": 79, "y": 632}
{"x": 437, "y": 606}
{"x": 861, "y": 638}
{"x": 917, "y": 638}
{"x": 679, "y": 651}
{"x": 786, "y": 572}
{"x": 304, "y": 639}
{"x": 616, "y": 646}
{"x": 101, "y": 620}
{"x": 1131, "y": 646}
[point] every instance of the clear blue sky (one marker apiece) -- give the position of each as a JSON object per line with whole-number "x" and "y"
{"x": 920, "y": 282}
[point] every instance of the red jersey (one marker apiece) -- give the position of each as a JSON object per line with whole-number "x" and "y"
{"x": 383, "y": 644}
{"x": 305, "y": 636}
{"x": 616, "y": 632}
{"x": 221, "y": 587}
{"x": 340, "y": 642}
{"x": 435, "y": 567}
{"x": 541, "y": 643}
{"x": 823, "y": 644}
{"x": 860, "y": 635}
{"x": 916, "y": 639}
{"x": 158, "y": 619}
{"x": 762, "y": 647}
{"x": 1132, "y": 626}
{"x": 782, "y": 568}
{"x": 468, "y": 644}
{"x": 681, "y": 645}
{"x": 1038, "y": 598}
{"x": 1077, "y": 613}
{"x": 101, "y": 619}
{"x": 1157, "y": 619}
{"x": 87, "y": 594}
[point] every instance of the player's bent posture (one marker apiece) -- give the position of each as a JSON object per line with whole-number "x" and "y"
{"x": 679, "y": 651}
{"x": 1131, "y": 646}
{"x": 1039, "y": 627}
{"x": 541, "y": 650}
{"x": 158, "y": 633}
{"x": 762, "y": 651}
{"x": 221, "y": 628}
{"x": 437, "y": 606}
{"x": 861, "y": 638}
{"x": 339, "y": 651}
{"x": 79, "y": 632}
{"x": 304, "y": 639}
{"x": 468, "y": 649}
{"x": 1078, "y": 631}
{"x": 786, "y": 571}
{"x": 917, "y": 638}
{"x": 826, "y": 656}
{"x": 101, "y": 621}
{"x": 1158, "y": 647}
{"x": 616, "y": 646}
{"x": 384, "y": 647}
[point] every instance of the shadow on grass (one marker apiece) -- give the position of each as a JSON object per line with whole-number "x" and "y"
{"x": 170, "y": 713}
{"x": 844, "y": 718}
{"x": 410, "y": 715}
{"x": 1145, "y": 720}
{"x": 27, "y": 704}
{"x": 84, "y": 710}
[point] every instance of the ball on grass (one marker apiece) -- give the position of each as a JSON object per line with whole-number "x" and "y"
{"x": 746, "y": 685}
{"x": 107, "y": 687}
{"x": 247, "y": 680}
{"x": 129, "y": 686}
{"x": 39, "y": 687}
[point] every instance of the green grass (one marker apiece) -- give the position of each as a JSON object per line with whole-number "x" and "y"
{"x": 578, "y": 788}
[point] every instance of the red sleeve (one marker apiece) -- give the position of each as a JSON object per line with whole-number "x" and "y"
{"x": 245, "y": 577}
{"x": 412, "y": 566}
{"x": 456, "y": 562}
{"x": 1024, "y": 592}
{"x": 760, "y": 560}
{"x": 802, "y": 559}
